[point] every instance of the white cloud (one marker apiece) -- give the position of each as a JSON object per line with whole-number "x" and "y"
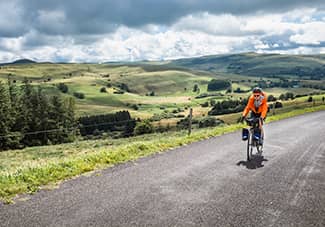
{"x": 11, "y": 44}
{"x": 310, "y": 33}
{"x": 192, "y": 35}
{"x": 225, "y": 24}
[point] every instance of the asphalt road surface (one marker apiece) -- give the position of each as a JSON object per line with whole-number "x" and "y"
{"x": 207, "y": 183}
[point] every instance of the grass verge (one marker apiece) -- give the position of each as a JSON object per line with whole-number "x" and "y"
{"x": 28, "y": 179}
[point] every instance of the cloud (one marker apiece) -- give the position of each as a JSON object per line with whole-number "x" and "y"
{"x": 106, "y": 30}
{"x": 310, "y": 33}
{"x": 62, "y": 17}
{"x": 11, "y": 19}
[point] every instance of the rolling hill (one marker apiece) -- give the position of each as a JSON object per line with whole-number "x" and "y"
{"x": 150, "y": 88}
{"x": 261, "y": 65}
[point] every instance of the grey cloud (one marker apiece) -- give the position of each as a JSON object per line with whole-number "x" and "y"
{"x": 102, "y": 16}
{"x": 283, "y": 43}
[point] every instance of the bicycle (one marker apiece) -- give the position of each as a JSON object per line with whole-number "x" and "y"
{"x": 253, "y": 137}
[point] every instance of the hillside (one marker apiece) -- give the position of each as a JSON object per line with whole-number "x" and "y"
{"x": 165, "y": 89}
{"x": 20, "y": 61}
{"x": 262, "y": 65}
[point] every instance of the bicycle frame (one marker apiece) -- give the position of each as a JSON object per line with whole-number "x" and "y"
{"x": 251, "y": 142}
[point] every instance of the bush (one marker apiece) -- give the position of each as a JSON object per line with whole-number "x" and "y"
{"x": 79, "y": 95}
{"x": 63, "y": 87}
{"x": 278, "y": 105}
{"x": 209, "y": 122}
{"x": 123, "y": 87}
{"x": 196, "y": 88}
{"x": 215, "y": 85}
{"x": 286, "y": 96}
{"x": 310, "y": 99}
{"x": 205, "y": 104}
{"x": 135, "y": 106}
{"x": 271, "y": 98}
{"x": 143, "y": 127}
{"x": 103, "y": 90}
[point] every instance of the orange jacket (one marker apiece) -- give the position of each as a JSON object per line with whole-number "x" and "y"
{"x": 261, "y": 109}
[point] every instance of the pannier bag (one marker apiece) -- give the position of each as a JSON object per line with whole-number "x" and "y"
{"x": 245, "y": 134}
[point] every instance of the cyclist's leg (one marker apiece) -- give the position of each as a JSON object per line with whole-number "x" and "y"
{"x": 261, "y": 130}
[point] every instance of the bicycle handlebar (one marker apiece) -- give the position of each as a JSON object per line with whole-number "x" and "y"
{"x": 252, "y": 121}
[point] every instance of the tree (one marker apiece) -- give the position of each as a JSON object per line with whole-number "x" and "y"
{"x": 14, "y": 140}
{"x": 25, "y": 117}
{"x": 282, "y": 97}
{"x": 4, "y": 116}
{"x": 271, "y": 98}
{"x": 215, "y": 85}
{"x": 289, "y": 95}
{"x": 205, "y": 104}
{"x": 310, "y": 99}
{"x": 195, "y": 88}
{"x": 79, "y": 95}
{"x": 278, "y": 105}
{"x": 238, "y": 90}
{"x": 103, "y": 90}
{"x": 212, "y": 102}
{"x": 63, "y": 87}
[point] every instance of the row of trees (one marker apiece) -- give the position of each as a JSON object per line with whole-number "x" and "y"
{"x": 29, "y": 117}
{"x": 115, "y": 122}
{"x": 228, "y": 106}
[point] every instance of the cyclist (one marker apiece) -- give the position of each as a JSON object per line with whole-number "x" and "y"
{"x": 257, "y": 104}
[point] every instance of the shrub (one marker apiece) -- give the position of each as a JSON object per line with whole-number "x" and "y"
{"x": 103, "y": 90}
{"x": 271, "y": 98}
{"x": 79, "y": 95}
{"x": 196, "y": 88}
{"x": 209, "y": 122}
{"x": 143, "y": 127}
{"x": 135, "y": 106}
{"x": 215, "y": 85}
{"x": 278, "y": 105}
{"x": 310, "y": 99}
{"x": 205, "y": 104}
{"x": 63, "y": 87}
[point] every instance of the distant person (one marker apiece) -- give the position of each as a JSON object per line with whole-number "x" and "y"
{"x": 257, "y": 105}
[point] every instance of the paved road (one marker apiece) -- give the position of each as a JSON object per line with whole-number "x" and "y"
{"x": 207, "y": 183}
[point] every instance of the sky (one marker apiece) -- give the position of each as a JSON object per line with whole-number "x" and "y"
{"x": 132, "y": 30}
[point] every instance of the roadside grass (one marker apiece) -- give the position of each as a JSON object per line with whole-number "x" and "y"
{"x": 25, "y": 171}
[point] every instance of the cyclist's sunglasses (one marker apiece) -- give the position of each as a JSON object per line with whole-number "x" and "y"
{"x": 256, "y": 95}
